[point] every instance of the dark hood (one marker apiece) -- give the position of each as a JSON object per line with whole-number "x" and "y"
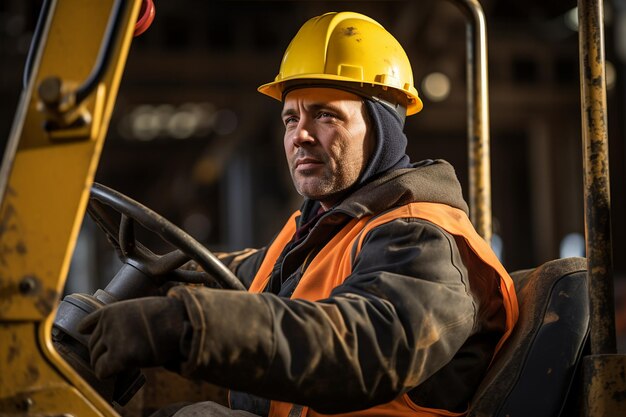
{"x": 389, "y": 152}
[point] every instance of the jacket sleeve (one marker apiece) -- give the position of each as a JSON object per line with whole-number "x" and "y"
{"x": 398, "y": 318}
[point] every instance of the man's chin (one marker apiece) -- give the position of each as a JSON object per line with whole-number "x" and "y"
{"x": 326, "y": 198}
{"x": 311, "y": 193}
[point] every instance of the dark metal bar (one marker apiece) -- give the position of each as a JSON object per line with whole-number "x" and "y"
{"x": 114, "y": 29}
{"x": 478, "y": 118}
{"x": 34, "y": 43}
{"x": 596, "y": 176}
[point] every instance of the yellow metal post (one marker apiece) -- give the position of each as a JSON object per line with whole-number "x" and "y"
{"x": 45, "y": 180}
{"x": 596, "y": 175}
{"x": 603, "y": 370}
{"x": 478, "y": 118}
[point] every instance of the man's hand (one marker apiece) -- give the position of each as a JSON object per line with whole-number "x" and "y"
{"x": 136, "y": 333}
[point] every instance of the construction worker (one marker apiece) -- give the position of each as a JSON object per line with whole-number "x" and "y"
{"x": 376, "y": 298}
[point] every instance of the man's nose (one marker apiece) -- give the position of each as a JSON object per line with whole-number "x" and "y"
{"x": 303, "y": 134}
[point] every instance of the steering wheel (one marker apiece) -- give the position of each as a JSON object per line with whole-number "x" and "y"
{"x": 148, "y": 269}
{"x": 143, "y": 273}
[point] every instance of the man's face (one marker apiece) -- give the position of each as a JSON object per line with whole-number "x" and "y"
{"x": 327, "y": 141}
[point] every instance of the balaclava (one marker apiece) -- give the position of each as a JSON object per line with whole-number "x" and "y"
{"x": 390, "y": 141}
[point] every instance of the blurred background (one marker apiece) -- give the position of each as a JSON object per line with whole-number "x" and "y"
{"x": 192, "y": 139}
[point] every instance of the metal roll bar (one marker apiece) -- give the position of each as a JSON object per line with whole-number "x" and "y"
{"x": 603, "y": 370}
{"x": 477, "y": 117}
{"x": 596, "y": 175}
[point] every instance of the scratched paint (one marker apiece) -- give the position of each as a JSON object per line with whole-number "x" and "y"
{"x": 350, "y": 31}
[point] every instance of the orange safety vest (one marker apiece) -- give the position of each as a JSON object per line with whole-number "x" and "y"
{"x": 317, "y": 283}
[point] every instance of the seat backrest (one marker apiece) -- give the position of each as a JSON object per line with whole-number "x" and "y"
{"x": 535, "y": 369}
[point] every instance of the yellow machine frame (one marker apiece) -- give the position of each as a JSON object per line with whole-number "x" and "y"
{"x": 45, "y": 181}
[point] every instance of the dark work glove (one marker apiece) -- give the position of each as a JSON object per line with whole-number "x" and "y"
{"x": 142, "y": 332}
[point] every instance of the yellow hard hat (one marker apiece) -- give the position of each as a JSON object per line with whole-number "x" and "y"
{"x": 350, "y": 50}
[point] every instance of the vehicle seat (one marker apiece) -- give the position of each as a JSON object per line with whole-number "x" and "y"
{"x": 534, "y": 371}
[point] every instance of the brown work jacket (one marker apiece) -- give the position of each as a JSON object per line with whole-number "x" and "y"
{"x": 317, "y": 283}
{"x": 400, "y": 313}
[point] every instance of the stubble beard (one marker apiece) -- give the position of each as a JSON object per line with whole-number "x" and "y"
{"x": 326, "y": 187}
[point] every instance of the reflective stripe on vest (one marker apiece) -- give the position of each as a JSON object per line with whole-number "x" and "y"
{"x": 316, "y": 283}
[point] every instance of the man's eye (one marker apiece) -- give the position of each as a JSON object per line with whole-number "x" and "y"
{"x": 290, "y": 120}
{"x": 325, "y": 115}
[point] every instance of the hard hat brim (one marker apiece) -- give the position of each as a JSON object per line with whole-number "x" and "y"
{"x": 276, "y": 88}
